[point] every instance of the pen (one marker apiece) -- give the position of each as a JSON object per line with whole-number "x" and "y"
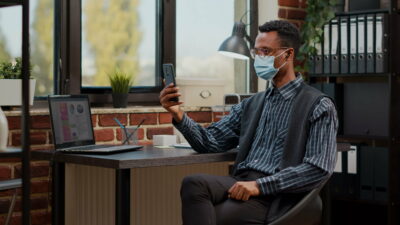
{"x": 123, "y": 127}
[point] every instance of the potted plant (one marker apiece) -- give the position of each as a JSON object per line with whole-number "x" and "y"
{"x": 120, "y": 84}
{"x": 11, "y": 85}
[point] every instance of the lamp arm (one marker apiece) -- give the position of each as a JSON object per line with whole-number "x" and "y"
{"x": 249, "y": 40}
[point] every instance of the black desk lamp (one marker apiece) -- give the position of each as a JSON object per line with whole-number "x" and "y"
{"x": 235, "y": 46}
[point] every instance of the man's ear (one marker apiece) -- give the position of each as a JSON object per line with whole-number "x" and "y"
{"x": 289, "y": 53}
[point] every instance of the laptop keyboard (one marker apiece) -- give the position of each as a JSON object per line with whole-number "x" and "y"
{"x": 85, "y": 148}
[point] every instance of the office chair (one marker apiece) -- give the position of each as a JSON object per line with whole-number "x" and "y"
{"x": 7, "y": 185}
{"x": 308, "y": 211}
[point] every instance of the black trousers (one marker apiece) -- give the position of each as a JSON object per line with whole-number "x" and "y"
{"x": 205, "y": 201}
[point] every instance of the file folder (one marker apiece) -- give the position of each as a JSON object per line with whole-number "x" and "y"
{"x": 344, "y": 46}
{"x": 361, "y": 44}
{"x": 327, "y": 45}
{"x": 334, "y": 47}
{"x": 318, "y": 59}
{"x": 352, "y": 173}
{"x": 381, "y": 173}
{"x": 337, "y": 182}
{"x": 381, "y": 43}
{"x": 370, "y": 44}
{"x": 353, "y": 45}
{"x": 366, "y": 173}
{"x": 352, "y": 160}
{"x": 339, "y": 164}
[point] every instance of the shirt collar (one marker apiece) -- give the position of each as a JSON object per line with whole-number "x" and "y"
{"x": 289, "y": 90}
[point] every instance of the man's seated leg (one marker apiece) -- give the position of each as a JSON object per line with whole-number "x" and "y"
{"x": 236, "y": 212}
{"x": 199, "y": 194}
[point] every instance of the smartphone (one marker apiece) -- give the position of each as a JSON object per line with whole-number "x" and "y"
{"x": 169, "y": 77}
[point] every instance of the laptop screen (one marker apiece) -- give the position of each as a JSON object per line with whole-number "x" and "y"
{"x": 71, "y": 121}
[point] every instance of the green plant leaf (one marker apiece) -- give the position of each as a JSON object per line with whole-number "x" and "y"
{"x": 319, "y": 12}
{"x": 120, "y": 82}
{"x": 9, "y": 70}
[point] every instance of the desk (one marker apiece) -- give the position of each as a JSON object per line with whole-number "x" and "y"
{"x": 122, "y": 163}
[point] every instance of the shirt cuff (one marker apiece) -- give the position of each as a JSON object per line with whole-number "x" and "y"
{"x": 267, "y": 185}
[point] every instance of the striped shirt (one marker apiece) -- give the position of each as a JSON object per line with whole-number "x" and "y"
{"x": 267, "y": 148}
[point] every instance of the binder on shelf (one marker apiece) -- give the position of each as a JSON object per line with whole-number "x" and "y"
{"x": 381, "y": 173}
{"x": 352, "y": 160}
{"x": 381, "y": 44}
{"x": 318, "y": 59}
{"x": 344, "y": 184}
{"x": 337, "y": 181}
{"x": 339, "y": 164}
{"x": 334, "y": 46}
{"x": 366, "y": 173}
{"x": 352, "y": 173}
{"x": 344, "y": 48}
{"x": 361, "y": 44}
{"x": 370, "y": 44}
{"x": 353, "y": 45}
{"x": 327, "y": 45}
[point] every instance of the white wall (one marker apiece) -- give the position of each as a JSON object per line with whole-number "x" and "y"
{"x": 267, "y": 10}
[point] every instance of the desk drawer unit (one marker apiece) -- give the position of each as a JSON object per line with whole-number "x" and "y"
{"x": 155, "y": 200}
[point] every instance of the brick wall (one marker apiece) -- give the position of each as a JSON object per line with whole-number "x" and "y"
{"x": 292, "y": 10}
{"x": 106, "y": 132}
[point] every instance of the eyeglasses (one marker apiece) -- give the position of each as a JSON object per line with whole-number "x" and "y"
{"x": 264, "y": 51}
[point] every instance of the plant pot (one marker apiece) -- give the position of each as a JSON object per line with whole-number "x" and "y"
{"x": 3, "y": 131}
{"x": 120, "y": 100}
{"x": 11, "y": 92}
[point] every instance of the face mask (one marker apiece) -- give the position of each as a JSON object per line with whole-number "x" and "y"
{"x": 264, "y": 66}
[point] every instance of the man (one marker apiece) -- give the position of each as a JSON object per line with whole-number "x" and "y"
{"x": 244, "y": 198}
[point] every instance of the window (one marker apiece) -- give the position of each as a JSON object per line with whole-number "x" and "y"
{"x": 137, "y": 37}
{"x": 201, "y": 27}
{"x": 118, "y": 34}
{"x": 41, "y": 37}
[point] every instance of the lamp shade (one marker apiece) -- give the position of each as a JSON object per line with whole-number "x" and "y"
{"x": 235, "y": 46}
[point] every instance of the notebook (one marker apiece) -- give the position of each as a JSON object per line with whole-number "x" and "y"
{"x": 71, "y": 121}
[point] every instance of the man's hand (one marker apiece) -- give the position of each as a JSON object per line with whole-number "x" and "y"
{"x": 243, "y": 190}
{"x": 173, "y": 107}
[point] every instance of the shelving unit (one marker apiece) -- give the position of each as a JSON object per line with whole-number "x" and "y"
{"x": 25, "y": 117}
{"x": 375, "y": 128}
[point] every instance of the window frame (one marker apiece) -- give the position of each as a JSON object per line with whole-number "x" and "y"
{"x": 68, "y": 68}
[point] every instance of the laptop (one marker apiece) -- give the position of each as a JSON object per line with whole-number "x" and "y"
{"x": 71, "y": 121}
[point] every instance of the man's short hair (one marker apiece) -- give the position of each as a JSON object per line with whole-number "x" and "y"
{"x": 288, "y": 33}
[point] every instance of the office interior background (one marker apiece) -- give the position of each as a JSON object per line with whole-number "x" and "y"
{"x": 75, "y": 44}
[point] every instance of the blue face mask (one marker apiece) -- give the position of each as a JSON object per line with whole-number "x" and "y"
{"x": 264, "y": 66}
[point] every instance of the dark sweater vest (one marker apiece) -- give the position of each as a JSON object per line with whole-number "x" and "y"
{"x": 295, "y": 142}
